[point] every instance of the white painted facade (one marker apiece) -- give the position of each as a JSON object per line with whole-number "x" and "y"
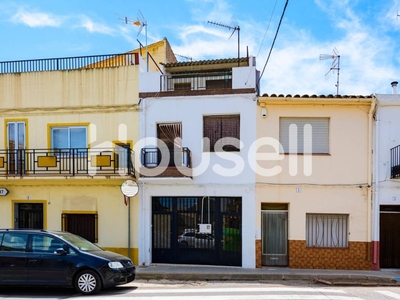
{"x": 216, "y": 174}
{"x": 387, "y": 136}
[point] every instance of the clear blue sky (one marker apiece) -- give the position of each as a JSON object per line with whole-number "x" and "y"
{"x": 365, "y": 33}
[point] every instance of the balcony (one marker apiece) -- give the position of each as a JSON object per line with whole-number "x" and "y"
{"x": 395, "y": 162}
{"x": 67, "y": 162}
{"x": 69, "y": 63}
{"x": 170, "y": 163}
{"x": 196, "y": 81}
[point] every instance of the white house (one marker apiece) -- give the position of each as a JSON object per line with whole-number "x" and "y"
{"x": 386, "y": 208}
{"x": 197, "y": 189}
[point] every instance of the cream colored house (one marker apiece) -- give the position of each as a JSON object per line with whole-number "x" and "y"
{"x": 313, "y": 181}
{"x": 69, "y": 127}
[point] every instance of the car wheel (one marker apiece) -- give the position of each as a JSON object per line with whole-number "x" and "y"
{"x": 184, "y": 244}
{"x": 88, "y": 282}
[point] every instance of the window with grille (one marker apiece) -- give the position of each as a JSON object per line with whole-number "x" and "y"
{"x": 304, "y": 135}
{"x": 223, "y": 133}
{"x": 327, "y": 230}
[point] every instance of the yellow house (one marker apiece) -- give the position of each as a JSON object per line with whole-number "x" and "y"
{"x": 313, "y": 181}
{"x": 69, "y": 127}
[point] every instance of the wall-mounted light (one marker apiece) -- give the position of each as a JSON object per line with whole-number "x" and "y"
{"x": 263, "y": 112}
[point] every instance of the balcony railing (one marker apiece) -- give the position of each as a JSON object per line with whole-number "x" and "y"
{"x": 69, "y": 63}
{"x": 196, "y": 81}
{"x": 153, "y": 157}
{"x": 395, "y": 162}
{"x": 67, "y": 162}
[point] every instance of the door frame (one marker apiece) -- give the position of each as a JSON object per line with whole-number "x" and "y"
{"x": 13, "y": 215}
{"x": 393, "y": 258}
{"x": 265, "y": 211}
{"x": 227, "y": 247}
{"x": 7, "y": 122}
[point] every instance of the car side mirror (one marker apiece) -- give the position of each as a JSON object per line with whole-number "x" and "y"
{"x": 60, "y": 251}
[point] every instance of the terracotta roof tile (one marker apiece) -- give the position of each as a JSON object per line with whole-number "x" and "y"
{"x": 204, "y": 62}
{"x": 317, "y": 96}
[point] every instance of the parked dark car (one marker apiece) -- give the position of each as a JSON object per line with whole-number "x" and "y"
{"x": 30, "y": 257}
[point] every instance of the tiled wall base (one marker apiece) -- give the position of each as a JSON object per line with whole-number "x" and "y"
{"x": 258, "y": 254}
{"x": 300, "y": 257}
{"x": 355, "y": 257}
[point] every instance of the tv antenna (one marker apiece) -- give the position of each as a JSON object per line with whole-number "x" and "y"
{"x": 141, "y": 22}
{"x": 233, "y": 28}
{"x": 188, "y": 58}
{"x": 335, "y": 65}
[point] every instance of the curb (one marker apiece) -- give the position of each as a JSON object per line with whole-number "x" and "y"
{"x": 388, "y": 282}
{"x": 338, "y": 280}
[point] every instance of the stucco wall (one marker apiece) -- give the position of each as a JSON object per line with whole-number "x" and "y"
{"x": 387, "y": 126}
{"x": 235, "y": 177}
{"x": 337, "y": 184}
{"x": 77, "y": 196}
{"x": 75, "y": 88}
{"x": 346, "y": 162}
{"x": 234, "y": 167}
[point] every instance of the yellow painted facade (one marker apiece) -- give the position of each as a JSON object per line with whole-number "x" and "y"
{"x": 160, "y": 51}
{"x": 104, "y": 101}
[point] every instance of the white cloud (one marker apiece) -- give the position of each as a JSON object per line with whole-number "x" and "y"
{"x": 366, "y": 64}
{"x": 42, "y": 19}
{"x": 36, "y": 19}
{"x": 94, "y": 27}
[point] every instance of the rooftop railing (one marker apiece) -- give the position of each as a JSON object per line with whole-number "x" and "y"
{"x": 196, "y": 81}
{"x": 69, "y": 63}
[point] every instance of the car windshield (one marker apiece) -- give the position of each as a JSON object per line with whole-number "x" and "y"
{"x": 79, "y": 242}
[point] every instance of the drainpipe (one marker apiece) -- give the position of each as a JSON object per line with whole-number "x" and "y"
{"x": 376, "y": 208}
{"x": 143, "y": 258}
{"x": 370, "y": 204}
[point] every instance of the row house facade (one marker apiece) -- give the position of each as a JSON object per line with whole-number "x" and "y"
{"x": 386, "y": 182}
{"x": 69, "y": 128}
{"x": 226, "y": 177}
{"x": 197, "y": 189}
{"x": 313, "y": 191}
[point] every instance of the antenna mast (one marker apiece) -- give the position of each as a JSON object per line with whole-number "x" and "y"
{"x": 186, "y": 57}
{"x": 335, "y": 65}
{"x": 141, "y": 22}
{"x": 236, "y": 28}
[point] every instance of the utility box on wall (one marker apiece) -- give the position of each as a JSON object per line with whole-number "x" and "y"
{"x": 205, "y": 228}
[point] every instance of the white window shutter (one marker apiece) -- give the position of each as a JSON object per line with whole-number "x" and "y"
{"x": 317, "y": 135}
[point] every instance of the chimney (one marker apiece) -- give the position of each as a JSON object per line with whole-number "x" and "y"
{"x": 394, "y": 86}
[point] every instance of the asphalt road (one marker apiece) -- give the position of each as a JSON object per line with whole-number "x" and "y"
{"x": 167, "y": 290}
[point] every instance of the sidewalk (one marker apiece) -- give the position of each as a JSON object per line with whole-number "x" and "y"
{"x": 222, "y": 273}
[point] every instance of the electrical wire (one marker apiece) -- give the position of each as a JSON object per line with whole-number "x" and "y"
{"x": 273, "y": 43}
{"x": 262, "y": 42}
{"x": 266, "y": 31}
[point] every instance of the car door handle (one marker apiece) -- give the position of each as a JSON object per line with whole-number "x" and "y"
{"x": 33, "y": 260}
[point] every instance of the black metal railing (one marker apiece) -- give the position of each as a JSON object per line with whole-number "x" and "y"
{"x": 69, "y": 63}
{"x": 154, "y": 157}
{"x": 395, "y": 162}
{"x": 196, "y": 81}
{"x": 67, "y": 162}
